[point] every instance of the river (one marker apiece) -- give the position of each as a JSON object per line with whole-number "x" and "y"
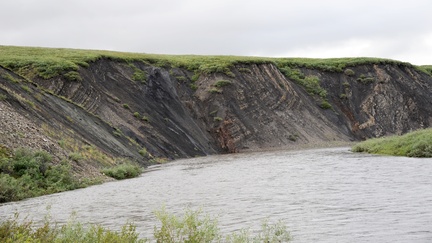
{"x": 323, "y": 195}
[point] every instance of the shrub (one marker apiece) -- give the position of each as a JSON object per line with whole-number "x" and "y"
{"x": 123, "y": 171}
{"x": 217, "y": 119}
{"x": 245, "y": 70}
{"x": 325, "y": 105}
{"x": 136, "y": 114}
{"x": 273, "y": 233}
{"x": 215, "y": 91}
{"x": 349, "y": 72}
{"x": 73, "y": 76}
{"x": 117, "y": 132}
{"x": 139, "y": 75}
{"x": 4, "y": 151}
{"x": 28, "y": 174}
{"x": 145, "y": 118}
{"x": 3, "y": 97}
{"x": 346, "y": 85}
{"x": 12, "y": 230}
{"x": 365, "y": 80}
{"x": 230, "y": 74}
{"x": 181, "y": 78}
{"x": 126, "y": 106}
{"x": 143, "y": 152}
{"x": 75, "y": 157}
{"x": 421, "y": 149}
{"x": 292, "y": 137}
{"x": 195, "y": 77}
{"x": 343, "y": 96}
{"x": 10, "y": 188}
{"x": 222, "y": 83}
{"x": 192, "y": 227}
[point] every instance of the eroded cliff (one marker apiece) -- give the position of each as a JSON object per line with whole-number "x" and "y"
{"x": 150, "y": 111}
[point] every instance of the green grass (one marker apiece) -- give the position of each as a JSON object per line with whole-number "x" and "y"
{"x": 325, "y": 105}
{"x": 365, "y": 80}
{"x": 25, "y": 174}
{"x": 222, "y": 83}
{"x": 72, "y": 76}
{"x": 349, "y": 72}
{"x": 138, "y": 75}
{"x": 123, "y": 171}
{"x": 51, "y": 62}
{"x": 426, "y": 68}
{"x": 191, "y": 227}
{"x": 414, "y": 144}
{"x": 215, "y": 91}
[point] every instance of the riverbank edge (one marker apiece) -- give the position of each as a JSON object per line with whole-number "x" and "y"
{"x": 416, "y": 144}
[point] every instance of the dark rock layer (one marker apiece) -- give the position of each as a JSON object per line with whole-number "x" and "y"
{"x": 259, "y": 108}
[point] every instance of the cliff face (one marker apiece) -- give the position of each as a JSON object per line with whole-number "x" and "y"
{"x": 165, "y": 114}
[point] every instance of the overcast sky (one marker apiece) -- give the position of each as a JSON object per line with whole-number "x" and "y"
{"x": 400, "y": 30}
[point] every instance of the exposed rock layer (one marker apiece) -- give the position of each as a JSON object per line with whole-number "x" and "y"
{"x": 259, "y": 108}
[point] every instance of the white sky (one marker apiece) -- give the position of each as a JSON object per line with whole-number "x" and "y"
{"x": 395, "y": 29}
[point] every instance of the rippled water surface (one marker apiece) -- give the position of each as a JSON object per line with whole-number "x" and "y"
{"x": 323, "y": 195}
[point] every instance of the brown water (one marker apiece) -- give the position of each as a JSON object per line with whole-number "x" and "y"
{"x": 323, "y": 195}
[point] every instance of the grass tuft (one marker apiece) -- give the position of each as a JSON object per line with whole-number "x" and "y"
{"x": 222, "y": 83}
{"x": 123, "y": 171}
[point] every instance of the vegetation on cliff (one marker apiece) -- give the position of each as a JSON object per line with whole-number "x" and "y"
{"x": 193, "y": 227}
{"x": 51, "y": 62}
{"x": 427, "y": 69}
{"x": 414, "y": 144}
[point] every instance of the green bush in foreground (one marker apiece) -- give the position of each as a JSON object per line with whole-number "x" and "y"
{"x": 123, "y": 171}
{"x": 195, "y": 227}
{"x": 14, "y": 231}
{"x": 414, "y": 144}
{"x": 192, "y": 227}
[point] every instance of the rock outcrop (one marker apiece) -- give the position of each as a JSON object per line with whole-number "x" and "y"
{"x": 168, "y": 114}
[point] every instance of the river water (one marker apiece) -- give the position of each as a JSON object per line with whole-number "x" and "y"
{"x": 322, "y": 195}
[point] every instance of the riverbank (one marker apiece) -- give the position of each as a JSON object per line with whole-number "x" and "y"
{"x": 414, "y": 144}
{"x": 25, "y": 173}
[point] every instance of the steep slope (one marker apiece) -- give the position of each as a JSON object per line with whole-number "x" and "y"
{"x": 148, "y": 108}
{"x": 379, "y": 100}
